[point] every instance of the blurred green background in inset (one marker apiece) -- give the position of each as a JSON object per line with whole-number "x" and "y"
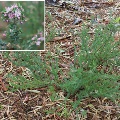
{"x": 34, "y": 12}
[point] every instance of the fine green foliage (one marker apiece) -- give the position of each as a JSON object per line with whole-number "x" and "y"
{"x": 32, "y": 61}
{"x": 37, "y": 67}
{"x": 86, "y": 80}
{"x": 52, "y": 33}
{"x": 2, "y": 45}
{"x": 21, "y": 83}
{"x": 94, "y": 73}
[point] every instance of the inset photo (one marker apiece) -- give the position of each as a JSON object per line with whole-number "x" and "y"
{"x": 22, "y": 25}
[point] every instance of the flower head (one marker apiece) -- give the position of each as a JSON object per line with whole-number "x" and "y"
{"x": 21, "y": 22}
{"x": 33, "y": 38}
{"x": 8, "y": 9}
{"x": 14, "y": 6}
{"x": 42, "y": 38}
{"x": 17, "y": 13}
{"x": 38, "y": 38}
{"x": 38, "y": 43}
{"x": 14, "y": 13}
{"x": 4, "y": 35}
{"x": 11, "y": 15}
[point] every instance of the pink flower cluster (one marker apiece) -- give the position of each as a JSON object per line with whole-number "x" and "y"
{"x": 4, "y": 34}
{"x": 38, "y": 38}
{"x": 13, "y": 14}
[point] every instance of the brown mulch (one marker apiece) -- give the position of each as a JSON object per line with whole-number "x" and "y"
{"x": 37, "y": 105}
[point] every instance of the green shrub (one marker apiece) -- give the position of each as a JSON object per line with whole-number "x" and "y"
{"x": 21, "y": 83}
{"x": 86, "y": 80}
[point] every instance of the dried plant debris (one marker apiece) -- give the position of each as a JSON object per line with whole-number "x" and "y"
{"x": 38, "y": 105}
{"x": 7, "y": 67}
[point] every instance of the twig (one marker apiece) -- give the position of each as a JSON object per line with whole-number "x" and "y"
{"x": 3, "y": 85}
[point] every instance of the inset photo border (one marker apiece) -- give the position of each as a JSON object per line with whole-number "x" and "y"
{"x": 22, "y": 25}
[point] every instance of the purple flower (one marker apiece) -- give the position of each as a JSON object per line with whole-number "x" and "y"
{"x": 11, "y": 15}
{"x": 14, "y": 6}
{"x": 4, "y": 35}
{"x": 14, "y": 12}
{"x": 42, "y": 38}
{"x": 7, "y": 20}
{"x": 18, "y": 17}
{"x": 17, "y": 13}
{"x": 8, "y": 9}
{"x": 5, "y": 14}
{"x": 21, "y": 22}
{"x": 39, "y": 39}
{"x": 38, "y": 43}
{"x": 33, "y": 38}
{"x": 40, "y": 33}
